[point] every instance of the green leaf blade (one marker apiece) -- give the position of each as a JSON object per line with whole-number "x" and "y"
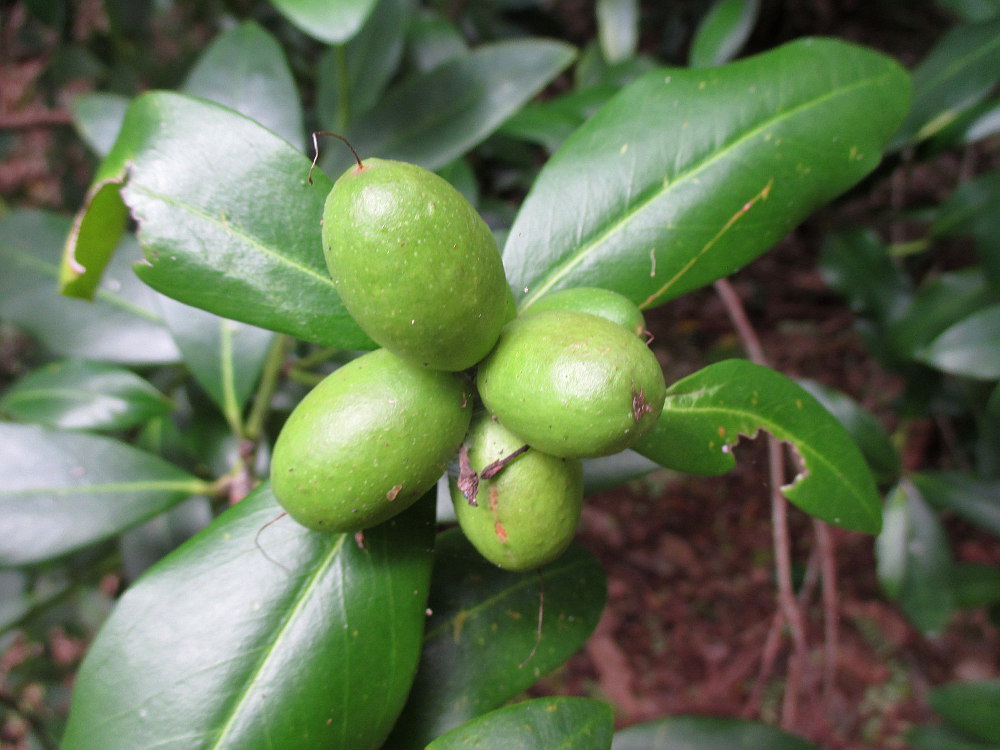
{"x": 192, "y": 165}
{"x": 245, "y": 69}
{"x": 914, "y": 560}
{"x": 970, "y": 347}
{"x": 287, "y": 639}
{"x": 970, "y": 707}
{"x": 333, "y": 23}
{"x": 84, "y": 395}
{"x": 706, "y": 733}
{"x": 706, "y": 413}
{"x": 702, "y": 170}
{"x": 565, "y": 723}
{"x": 481, "y": 648}
{"x": 435, "y": 117}
{"x": 723, "y": 31}
{"x": 64, "y": 490}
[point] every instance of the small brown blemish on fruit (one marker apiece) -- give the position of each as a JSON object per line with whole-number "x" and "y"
{"x": 501, "y": 532}
{"x": 359, "y": 539}
{"x": 639, "y": 404}
{"x": 393, "y": 493}
{"x": 494, "y": 498}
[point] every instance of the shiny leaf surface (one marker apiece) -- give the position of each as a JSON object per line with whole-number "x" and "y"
{"x": 706, "y": 414}
{"x": 565, "y": 723}
{"x": 481, "y": 646}
{"x": 723, "y": 32}
{"x": 121, "y": 325}
{"x": 226, "y": 218}
{"x": 224, "y": 356}
{"x": 330, "y": 22}
{"x": 706, "y": 733}
{"x": 959, "y": 71}
{"x": 245, "y": 69}
{"x": 970, "y": 347}
{"x": 914, "y": 560}
{"x": 83, "y": 395}
{"x": 435, "y": 117}
{"x": 277, "y": 637}
{"x": 694, "y": 173}
{"x": 65, "y": 490}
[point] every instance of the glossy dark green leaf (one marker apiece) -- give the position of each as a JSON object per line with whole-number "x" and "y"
{"x": 224, "y": 356}
{"x": 971, "y": 210}
{"x": 867, "y": 431}
{"x": 226, "y": 218}
{"x": 943, "y": 302}
{"x": 352, "y": 77}
{"x": 559, "y": 722}
{"x": 970, "y": 347}
{"x": 260, "y": 636}
{"x": 706, "y": 414}
{"x": 98, "y": 117}
{"x": 914, "y": 560}
{"x": 618, "y": 28}
{"x": 961, "y": 69}
{"x": 432, "y": 118}
{"x": 970, "y": 707}
{"x": 481, "y": 646}
{"x": 977, "y": 123}
{"x": 550, "y": 122}
{"x": 976, "y": 585}
{"x": 432, "y": 39}
{"x": 330, "y": 22}
{"x": 722, "y": 32}
{"x": 857, "y": 264}
{"x": 65, "y": 490}
{"x": 701, "y": 171}
{"x": 931, "y": 737}
{"x": 972, "y": 10}
{"x": 83, "y": 395}
{"x": 976, "y": 500}
{"x": 706, "y": 733}
{"x": 245, "y": 69}
{"x": 144, "y": 545}
{"x": 120, "y": 325}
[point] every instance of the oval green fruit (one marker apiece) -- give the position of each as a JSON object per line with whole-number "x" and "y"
{"x": 415, "y": 265}
{"x": 366, "y": 442}
{"x": 526, "y": 516}
{"x": 603, "y": 303}
{"x": 572, "y": 384}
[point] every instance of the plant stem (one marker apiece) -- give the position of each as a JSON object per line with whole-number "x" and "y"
{"x": 789, "y": 608}
{"x": 266, "y": 387}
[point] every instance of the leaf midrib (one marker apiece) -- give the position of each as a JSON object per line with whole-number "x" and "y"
{"x": 300, "y": 601}
{"x": 580, "y": 256}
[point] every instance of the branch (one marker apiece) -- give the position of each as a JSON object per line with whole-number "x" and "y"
{"x": 34, "y": 118}
{"x": 789, "y": 608}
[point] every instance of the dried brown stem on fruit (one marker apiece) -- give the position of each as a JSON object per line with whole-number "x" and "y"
{"x": 316, "y": 133}
{"x": 491, "y": 470}
{"x": 468, "y": 480}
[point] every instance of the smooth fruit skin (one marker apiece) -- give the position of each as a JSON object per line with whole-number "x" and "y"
{"x": 366, "y": 442}
{"x": 415, "y": 265}
{"x": 572, "y": 384}
{"x": 604, "y": 303}
{"x": 527, "y": 515}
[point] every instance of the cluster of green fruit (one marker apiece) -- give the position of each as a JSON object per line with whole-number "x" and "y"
{"x": 520, "y": 399}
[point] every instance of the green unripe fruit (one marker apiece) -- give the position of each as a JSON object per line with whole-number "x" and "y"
{"x": 603, "y": 303}
{"x": 526, "y": 516}
{"x": 368, "y": 441}
{"x": 572, "y": 384}
{"x": 415, "y": 265}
